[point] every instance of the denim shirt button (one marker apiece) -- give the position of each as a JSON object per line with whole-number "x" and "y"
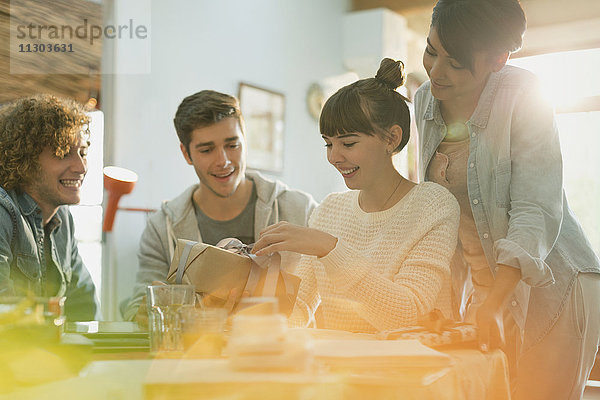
{"x": 472, "y": 165}
{"x": 472, "y": 134}
{"x": 475, "y": 201}
{"x": 485, "y": 236}
{"x": 513, "y": 303}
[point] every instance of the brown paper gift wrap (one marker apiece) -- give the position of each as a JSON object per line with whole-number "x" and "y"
{"x": 215, "y": 271}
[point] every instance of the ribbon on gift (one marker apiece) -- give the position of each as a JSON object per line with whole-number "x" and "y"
{"x": 436, "y": 322}
{"x": 271, "y": 264}
{"x": 434, "y": 329}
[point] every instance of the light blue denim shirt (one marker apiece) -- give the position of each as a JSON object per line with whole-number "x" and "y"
{"x": 23, "y": 259}
{"x": 514, "y": 181}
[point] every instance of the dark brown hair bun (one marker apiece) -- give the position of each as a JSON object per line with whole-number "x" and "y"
{"x": 369, "y": 106}
{"x": 391, "y": 73}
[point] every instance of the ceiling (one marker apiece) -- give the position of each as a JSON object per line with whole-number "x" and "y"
{"x": 553, "y": 25}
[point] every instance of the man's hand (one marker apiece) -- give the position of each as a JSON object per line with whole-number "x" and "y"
{"x": 284, "y": 236}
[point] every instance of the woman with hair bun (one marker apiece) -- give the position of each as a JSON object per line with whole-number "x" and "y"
{"x": 375, "y": 257}
{"x": 486, "y": 134}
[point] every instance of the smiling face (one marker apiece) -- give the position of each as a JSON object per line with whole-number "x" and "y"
{"x": 58, "y": 180}
{"x": 360, "y": 158}
{"x": 451, "y": 80}
{"x": 218, "y": 155}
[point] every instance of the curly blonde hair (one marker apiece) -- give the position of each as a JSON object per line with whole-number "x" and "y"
{"x": 29, "y": 125}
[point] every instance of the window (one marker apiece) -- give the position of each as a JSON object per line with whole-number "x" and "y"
{"x": 572, "y": 85}
{"x": 88, "y": 213}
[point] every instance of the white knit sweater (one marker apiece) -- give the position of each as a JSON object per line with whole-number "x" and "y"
{"x": 388, "y": 267}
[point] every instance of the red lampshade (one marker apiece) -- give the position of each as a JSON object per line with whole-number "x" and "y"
{"x": 117, "y": 182}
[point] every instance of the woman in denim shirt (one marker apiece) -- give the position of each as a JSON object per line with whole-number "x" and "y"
{"x": 486, "y": 135}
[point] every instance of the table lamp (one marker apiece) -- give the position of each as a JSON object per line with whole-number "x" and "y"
{"x": 117, "y": 182}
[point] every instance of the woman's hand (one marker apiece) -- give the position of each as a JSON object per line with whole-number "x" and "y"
{"x": 284, "y": 236}
{"x": 490, "y": 316}
{"x": 490, "y": 322}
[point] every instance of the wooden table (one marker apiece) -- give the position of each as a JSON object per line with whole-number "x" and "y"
{"x": 472, "y": 375}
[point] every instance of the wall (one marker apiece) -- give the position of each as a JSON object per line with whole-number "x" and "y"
{"x": 283, "y": 45}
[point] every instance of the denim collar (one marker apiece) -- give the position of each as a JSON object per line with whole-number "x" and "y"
{"x": 28, "y": 206}
{"x": 482, "y": 112}
{"x": 26, "y": 203}
{"x": 433, "y": 111}
{"x": 484, "y": 105}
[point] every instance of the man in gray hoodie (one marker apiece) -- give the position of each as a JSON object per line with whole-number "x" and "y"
{"x": 227, "y": 202}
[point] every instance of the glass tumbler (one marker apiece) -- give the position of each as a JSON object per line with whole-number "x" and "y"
{"x": 165, "y": 309}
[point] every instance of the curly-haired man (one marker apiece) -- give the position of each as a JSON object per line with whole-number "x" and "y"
{"x": 43, "y": 149}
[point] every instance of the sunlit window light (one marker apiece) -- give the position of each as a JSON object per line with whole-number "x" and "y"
{"x": 569, "y": 81}
{"x": 566, "y": 77}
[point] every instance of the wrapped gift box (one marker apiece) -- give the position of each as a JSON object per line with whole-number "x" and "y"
{"x": 216, "y": 271}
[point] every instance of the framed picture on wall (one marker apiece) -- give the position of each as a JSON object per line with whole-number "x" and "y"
{"x": 263, "y": 112}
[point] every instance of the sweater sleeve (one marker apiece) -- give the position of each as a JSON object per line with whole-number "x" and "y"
{"x": 415, "y": 287}
{"x": 154, "y": 262}
{"x": 308, "y": 298}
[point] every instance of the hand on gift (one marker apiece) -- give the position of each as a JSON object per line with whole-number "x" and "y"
{"x": 284, "y": 236}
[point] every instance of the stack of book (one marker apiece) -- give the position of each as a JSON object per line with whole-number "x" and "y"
{"x": 109, "y": 337}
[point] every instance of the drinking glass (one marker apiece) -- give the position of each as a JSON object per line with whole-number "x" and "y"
{"x": 165, "y": 307}
{"x": 203, "y": 332}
